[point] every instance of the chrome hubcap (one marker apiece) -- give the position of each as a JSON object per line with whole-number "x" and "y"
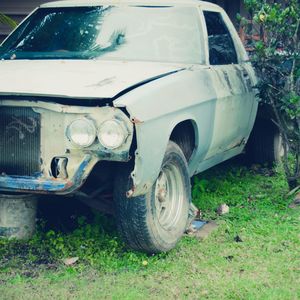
{"x": 169, "y": 196}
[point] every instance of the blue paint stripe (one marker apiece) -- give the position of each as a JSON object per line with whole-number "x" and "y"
{"x": 27, "y": 183}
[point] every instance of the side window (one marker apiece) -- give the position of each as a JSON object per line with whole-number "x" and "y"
{"x": 220, "y": 43}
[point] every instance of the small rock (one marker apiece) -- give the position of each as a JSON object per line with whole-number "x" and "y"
{"x": 296, "y": 202}
{"x": 70, "y": 261}
{"x": 223, "y": 209}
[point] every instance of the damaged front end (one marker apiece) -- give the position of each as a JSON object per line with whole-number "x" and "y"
{"x": 52, "y": 148}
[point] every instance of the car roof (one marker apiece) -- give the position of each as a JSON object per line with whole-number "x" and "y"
{"x": 153, "y": 3}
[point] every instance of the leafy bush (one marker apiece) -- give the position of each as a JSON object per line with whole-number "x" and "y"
{"x": 7, "y": 21}
{"x": 276, "y": 57}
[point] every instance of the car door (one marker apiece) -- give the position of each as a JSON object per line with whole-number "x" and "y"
{"x": 232, "y": 84}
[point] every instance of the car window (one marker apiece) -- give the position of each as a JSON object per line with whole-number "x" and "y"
{"x": 166, "y": 34}
{"x": 220, "y": 43}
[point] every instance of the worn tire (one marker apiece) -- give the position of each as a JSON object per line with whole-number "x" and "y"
{"x": 143, "y": 223}
{"x": 265, "y": 144}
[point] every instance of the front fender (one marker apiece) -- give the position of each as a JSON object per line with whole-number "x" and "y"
{"x": 156, "y": 108}
{"x": 152, "y": 140}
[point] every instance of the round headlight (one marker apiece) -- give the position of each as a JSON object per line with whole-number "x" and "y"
{"x": 112, "y": 134}
{"x": 82, "y": 132}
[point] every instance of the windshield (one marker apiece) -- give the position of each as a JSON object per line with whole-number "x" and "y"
{"x": 166, "y": 34}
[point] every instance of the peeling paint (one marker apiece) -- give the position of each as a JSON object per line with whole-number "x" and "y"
{"x": 136, "y": 121}
{"x": 218, "y": 100}
{"x": 40, "y": 184}
{"x": 76, "y": 79}
{"x": 226, "y": 77}
{"x": 130, "y": 193}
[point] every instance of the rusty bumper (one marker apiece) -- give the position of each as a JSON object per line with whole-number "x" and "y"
{"x": 42, "y": 185}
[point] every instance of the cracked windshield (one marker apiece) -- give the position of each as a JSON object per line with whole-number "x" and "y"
{"x": 108, "y": 32}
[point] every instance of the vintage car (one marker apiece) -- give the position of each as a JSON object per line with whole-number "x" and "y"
{"x": 127, "y": 97}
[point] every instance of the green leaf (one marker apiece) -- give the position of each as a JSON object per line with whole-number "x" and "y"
{"x": 8, "y": 21}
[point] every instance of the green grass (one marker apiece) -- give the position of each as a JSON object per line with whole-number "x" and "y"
{"x": 265, "y": 265}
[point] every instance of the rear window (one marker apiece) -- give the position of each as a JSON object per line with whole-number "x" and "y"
{"x": 221, "y": 46}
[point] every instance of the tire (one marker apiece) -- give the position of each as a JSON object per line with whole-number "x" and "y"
{"x": 156, "y": 221}
{"x": 265, "y": 144}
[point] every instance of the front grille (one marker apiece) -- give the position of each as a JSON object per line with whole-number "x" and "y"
{"x": 20, "y": 138}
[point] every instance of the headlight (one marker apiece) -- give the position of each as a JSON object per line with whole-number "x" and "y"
{"x": 82, "y": 132}
{"x": 112, "y": 134}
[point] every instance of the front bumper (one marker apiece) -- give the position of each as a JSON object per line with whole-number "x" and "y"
{"x": 45, "y": 185}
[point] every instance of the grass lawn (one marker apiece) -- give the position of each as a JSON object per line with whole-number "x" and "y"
{"x": 254, "y": 253}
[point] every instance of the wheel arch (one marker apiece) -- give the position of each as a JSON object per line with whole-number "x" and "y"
{"x": 185, "y": 135}
{"x": 152, "y": 138}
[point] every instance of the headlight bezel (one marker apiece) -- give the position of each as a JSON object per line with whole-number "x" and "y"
{"x": 122, "y": 129}
{"x": 92, "y": 127}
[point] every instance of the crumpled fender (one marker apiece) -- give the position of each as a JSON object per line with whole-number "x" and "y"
{"x": 155, "y": 109}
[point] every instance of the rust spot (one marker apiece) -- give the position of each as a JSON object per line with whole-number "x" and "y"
{"x": 136, "y": 121}
{"x": 129, "y": 194}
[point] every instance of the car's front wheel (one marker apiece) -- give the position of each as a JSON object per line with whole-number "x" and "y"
{"x": 155, "y": 222}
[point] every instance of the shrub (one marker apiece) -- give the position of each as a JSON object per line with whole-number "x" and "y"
{"x": 277, "y": 63}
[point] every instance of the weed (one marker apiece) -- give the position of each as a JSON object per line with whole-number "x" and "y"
{"x": 253, "y": 255}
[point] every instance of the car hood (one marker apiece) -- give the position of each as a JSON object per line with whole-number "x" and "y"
{"x": 77, "y": 78}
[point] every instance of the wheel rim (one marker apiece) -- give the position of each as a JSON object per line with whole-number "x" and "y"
{"x": 169, "y": 196}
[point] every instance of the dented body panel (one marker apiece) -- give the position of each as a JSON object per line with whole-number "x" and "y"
{"x": 55, "y": 145}
{"x": 222, "y": 116}
{"x": 96, "y": 79}
{"x": 149, "y": 98}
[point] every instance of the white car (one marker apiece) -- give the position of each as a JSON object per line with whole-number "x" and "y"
{"x": 133, "y": 97}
